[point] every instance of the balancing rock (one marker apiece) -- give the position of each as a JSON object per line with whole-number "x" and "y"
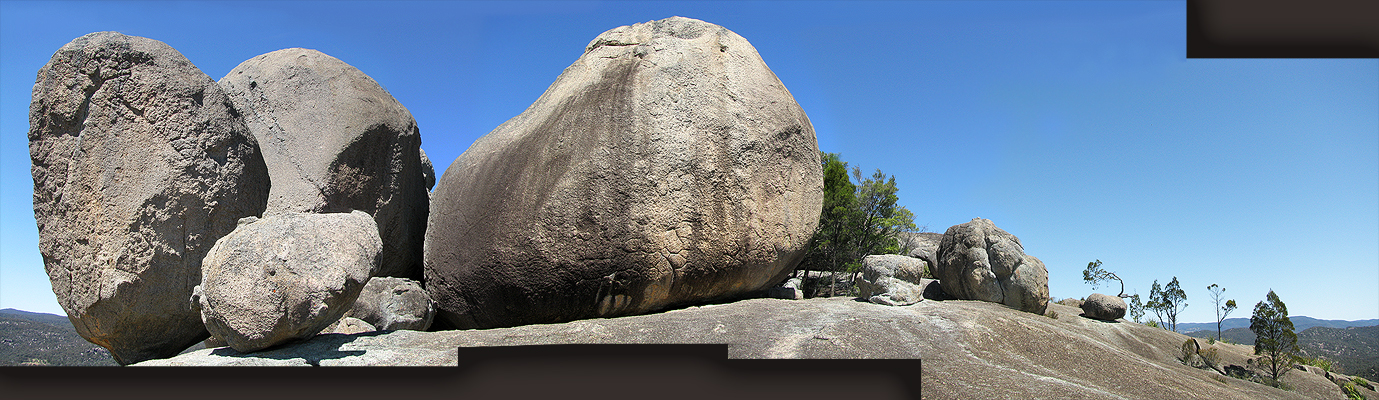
{"x": 335, "y": 141}
{"x": 667, "y": 166}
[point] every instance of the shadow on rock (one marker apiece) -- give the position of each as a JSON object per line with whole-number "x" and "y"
{"x": 313, "y": 351}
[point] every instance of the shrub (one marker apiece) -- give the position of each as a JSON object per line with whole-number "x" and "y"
{"x": 1210, "y": 356}
{"x": 1152, "y": 324}
{"x": 1190, "y": 349}
{"x": 1052, "y": 314}
{"x": 1318, "y": 362}
{"x": 1239, "y": 372}
{"x": 1211, "y": 340}
{"x": 1351, "y": 392}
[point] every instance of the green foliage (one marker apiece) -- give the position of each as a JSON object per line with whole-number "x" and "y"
{"x": 827, "y": 249}
{"x": 1275, "y": 342}
{"x": 1359, "y": 381}
{"x": 1136, "y": 308}
{"x": 1351, "y": 392}
{"x": 1152, "y": 324}
{"x": 1211, "y": 340}
{"x": 1094, "y": 275}
{"x": 1190, "y": 349}
{"x": 1166, "y": 302}
{"x": 857, "y": 219}
{"x": 1319, "y": 362}
{"x": 879, "y": 219}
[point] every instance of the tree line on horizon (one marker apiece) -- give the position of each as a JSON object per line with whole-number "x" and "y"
{"x": 1276, "y": 343}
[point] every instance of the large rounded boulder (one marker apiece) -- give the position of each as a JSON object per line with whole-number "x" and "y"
{"x": 978, "y": 261}
{"x": 1103, "y": 307}
{"x": 335, "y": 141}
{"x": 668, "y": 165}
{"x": 286, "y": 276}
{"x": 140, "y": 162}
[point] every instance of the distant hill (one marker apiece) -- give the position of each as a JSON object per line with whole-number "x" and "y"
{"x": 1353, "y": 350}
{"x": 29, "y": 338}
{"x": 1233, "y": 335}
{"x": 1300, "y": 323}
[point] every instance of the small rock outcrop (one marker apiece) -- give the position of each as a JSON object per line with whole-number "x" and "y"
{"x": 978, "y": 261}
{"x": 892, "y": 279}
{"x": 349, "y": 326}
{"x": 335, "y": 141}
{"x": 140, "y": 162}
{"x": 792, "y": 289}
{"x": 1104, "y": 307}
{"x": 394, "y": 303}
{"x": 286, "y": 276}
{"x": 667, "y": 166}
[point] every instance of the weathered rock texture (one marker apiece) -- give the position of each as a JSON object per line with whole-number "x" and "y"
{"x": 922, "y": 245}
{"x": 428, "y": 172}
{"x": 970, "y": 349}
{"x": 978, "y": 261}
{"x": 349, "y": 326}
{"x": 140, "y": 163}
{"x": 394, "y": 303}
{"x": 286, "y": 276}
{"x": 336, "y": 141}
{"x": 892, "y": 279}
{"x": 1102, "y": 306}
{"x": 668, "y": 165}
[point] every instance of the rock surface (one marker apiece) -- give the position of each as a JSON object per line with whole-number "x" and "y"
{"x": 394, "y": 303}
{"x": 668, "y": 165}
{"x": 923, "y": 245}
{"x": 792, "y": 289}
{"x": 978, "y": 261}
{"x": 140, "y": 163}
{"x": 428, "y": 173}
{"x": 349, "y": 326}
{"x": 1106, "y": 307}
{"x": 335, "y": 141}
{"x": 892, "y": 279}
{"x": 286, "y": 276}
{"x": 970, "y": 349}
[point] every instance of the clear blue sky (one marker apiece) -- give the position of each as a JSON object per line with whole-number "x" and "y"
{"x": 1078, "y": 126}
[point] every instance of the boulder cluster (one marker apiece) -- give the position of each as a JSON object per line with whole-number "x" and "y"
{"x": 971, "y": 261}
{"x": 667, "y": 166}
